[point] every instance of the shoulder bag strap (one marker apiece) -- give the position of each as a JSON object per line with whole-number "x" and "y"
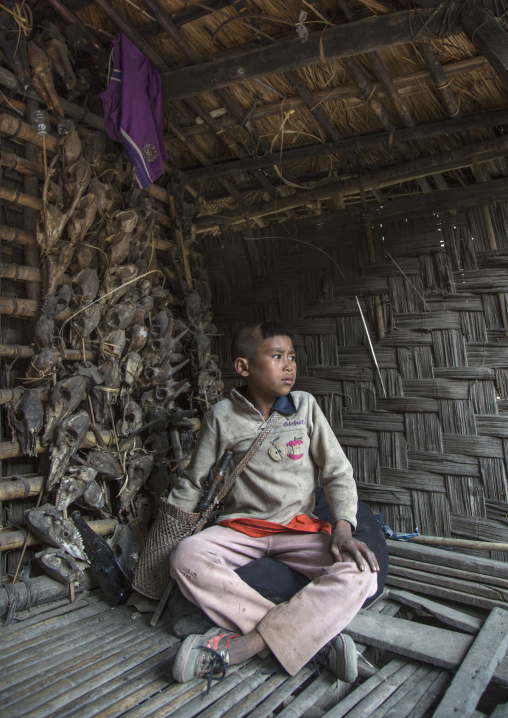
{"x": 228, "y": 483}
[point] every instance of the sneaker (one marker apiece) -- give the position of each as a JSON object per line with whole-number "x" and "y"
{"x": 203, "y": 656}
{"x": 339, "y": 658}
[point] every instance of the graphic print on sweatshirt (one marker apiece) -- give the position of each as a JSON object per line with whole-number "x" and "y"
{"x": 277, "y": 449}
{"x": 294, "y": 448}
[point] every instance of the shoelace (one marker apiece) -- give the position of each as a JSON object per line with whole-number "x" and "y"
{"x": 217, "y": 665}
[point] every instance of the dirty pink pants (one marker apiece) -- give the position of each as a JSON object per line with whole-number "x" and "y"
{"x": 204, "y": 566}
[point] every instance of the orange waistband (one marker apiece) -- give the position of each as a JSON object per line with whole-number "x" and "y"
{"x": 258, "y": 528}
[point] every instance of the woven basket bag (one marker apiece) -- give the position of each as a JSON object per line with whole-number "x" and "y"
{"x": 169, "y": 528}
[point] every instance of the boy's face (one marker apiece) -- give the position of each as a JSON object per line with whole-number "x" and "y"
{"x": 272, "y": 371}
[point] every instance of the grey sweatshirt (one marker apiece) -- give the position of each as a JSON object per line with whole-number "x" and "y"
{"x": 278, "y": 482}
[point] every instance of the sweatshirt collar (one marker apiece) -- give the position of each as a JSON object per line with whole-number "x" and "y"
{"x": 283, "y": 404}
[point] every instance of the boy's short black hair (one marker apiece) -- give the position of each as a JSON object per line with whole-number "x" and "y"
{"x": 249, "y": 338}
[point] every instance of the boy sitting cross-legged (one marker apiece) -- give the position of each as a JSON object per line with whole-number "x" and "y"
{"x": 268, "y": 512}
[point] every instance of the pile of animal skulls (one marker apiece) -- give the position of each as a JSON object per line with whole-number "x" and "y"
{"x": 134, "y": 406}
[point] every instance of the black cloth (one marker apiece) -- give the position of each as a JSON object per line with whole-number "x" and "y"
{"x": 278, "y": 583}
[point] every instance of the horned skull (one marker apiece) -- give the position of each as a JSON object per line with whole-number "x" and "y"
{"x": 66, "y": 396}
{"x": 70, "y": 436}
{"x": 26, "y": 419}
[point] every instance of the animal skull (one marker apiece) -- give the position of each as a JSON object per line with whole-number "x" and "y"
{"x": 105, "y": 463}
{"x": 26, "y": 420}
{"x": 120, "y": 316}
{"x": 138, "y": 472}
{"x": 132, "y": 419}
{"x": 70, "y": 436}
{"x": 44, "y": 362}
{"x": 94, "y": 496}
{"x": 61, "y": 565}
{"x": 48, "y": 524}
{"x": 163, "y": 372}
{"x": 87, "y": 286}
{"x": 139, "y": 335}
{"x": 132, "y": 368}
{"x": 65, "y": 398}
{"x": 119, "y": 246}
{"x": 74, "y": 486}
{"x": 113, "y": 344}
{"x": 82, "y": 218}
{"x": 85, "y": 322}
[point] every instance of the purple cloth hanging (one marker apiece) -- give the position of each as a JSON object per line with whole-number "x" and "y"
{"x": 133, "y": 113}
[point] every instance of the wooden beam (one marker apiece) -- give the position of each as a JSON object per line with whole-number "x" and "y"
{"x": 182, "y": 17}
{"x": 359, "y": 142}
{"x": 403, "y": 172}
{"x": 340, "y": 41}
{"x": 477, "y": 669}
{"x": 405, "y": 84}
{"x": 487, "y": 32}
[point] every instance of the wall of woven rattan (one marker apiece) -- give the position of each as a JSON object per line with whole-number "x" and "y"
{"x": 433, "y": 453}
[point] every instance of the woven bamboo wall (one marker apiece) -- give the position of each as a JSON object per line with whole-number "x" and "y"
{"x": 433, "y": 452}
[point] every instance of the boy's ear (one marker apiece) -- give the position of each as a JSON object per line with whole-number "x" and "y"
{"x": 242, "y": 366}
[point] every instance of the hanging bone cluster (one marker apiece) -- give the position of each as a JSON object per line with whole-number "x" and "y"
{"x": 119, "y": 422}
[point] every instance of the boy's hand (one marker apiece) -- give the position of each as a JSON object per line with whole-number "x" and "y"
{"x": 343, "y": 541}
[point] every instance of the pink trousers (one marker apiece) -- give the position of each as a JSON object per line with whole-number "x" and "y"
{"x": 204, "y": 566}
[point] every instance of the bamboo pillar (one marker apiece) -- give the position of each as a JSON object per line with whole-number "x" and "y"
{"x": 31, "y": 216}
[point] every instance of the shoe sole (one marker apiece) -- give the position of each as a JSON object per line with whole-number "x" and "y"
{"x": 181, "y": 665}
{"x": 347, "y": 665}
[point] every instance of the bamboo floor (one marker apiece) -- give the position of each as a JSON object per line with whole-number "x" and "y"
{"x": 87, "y": 660}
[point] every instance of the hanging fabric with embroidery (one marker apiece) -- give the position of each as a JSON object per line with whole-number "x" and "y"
{"x": 133, "y": 113}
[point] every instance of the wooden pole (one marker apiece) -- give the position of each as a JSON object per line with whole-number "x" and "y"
{"x": 14, "y": 235}
{"x": 20, "y": 273}
{"x": 487, "y": 32}
{"x": 17, "y": 488}
{"x": 18, "y": 351}
{"x": 21, "y": 165}
{"x": 461, "y": 543}
{"x": 27, "y": 308}
{"x": 9, "y": 79}
{"x": 10, "y": 540}
{"x": 45, "y": 590}
{"x": 17, "y": 197}
{"x": 14, "y": 127}
{"x": 442, "y": 86}
{"x": 446, "y": 161}
{"x": 12, "y": 449}
{"x": 339, "y": 41}
{"x": 405, "y": 84}
{"x": 361, "y": 142}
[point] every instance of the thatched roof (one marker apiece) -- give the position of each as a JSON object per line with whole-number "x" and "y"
{"x": 342, "y": 70}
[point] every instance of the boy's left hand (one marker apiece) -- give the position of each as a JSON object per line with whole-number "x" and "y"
{"x": 343, "y": 541}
